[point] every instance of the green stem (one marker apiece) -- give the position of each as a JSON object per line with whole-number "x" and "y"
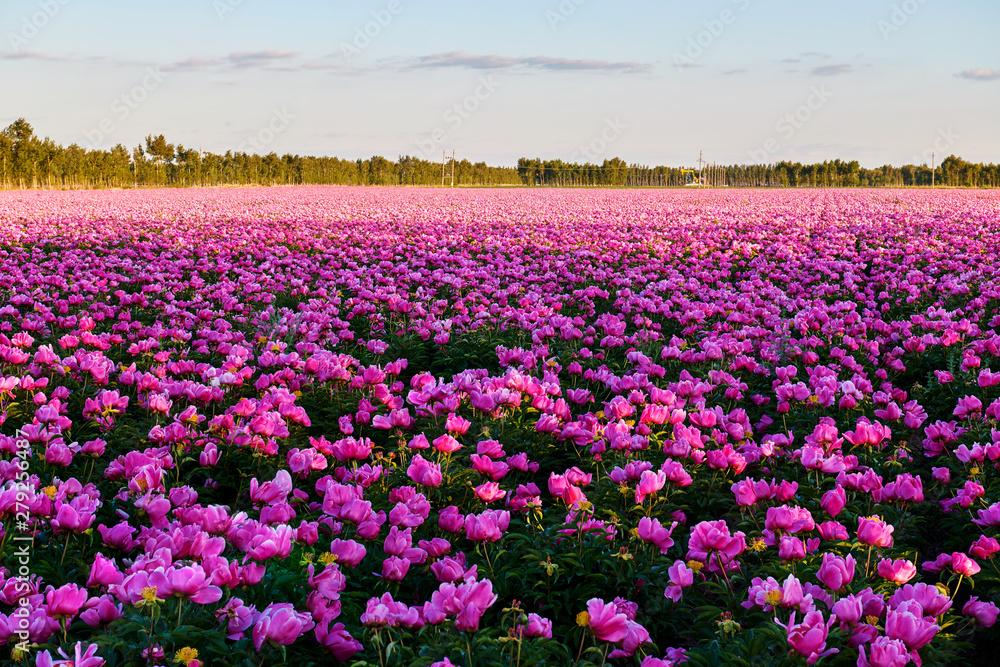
{"x": 725, "y": 576}
{"x": 959, "y": 585}
{"x": 6, "y": 534}
{"x": 486, "y": 552}
{"x": 378, "y": 643}
{"x": 65, "y": 546}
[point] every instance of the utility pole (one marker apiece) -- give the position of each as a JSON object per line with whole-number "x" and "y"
{"x": 444, "y": 154}
{"x": 933, "y": 167}
{"x": 453, "y": 167}
{"x": 701, "y": 179}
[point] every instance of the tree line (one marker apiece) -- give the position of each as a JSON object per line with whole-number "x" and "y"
{"x": 28, "y": 162}
{"x": 952, "y": 172}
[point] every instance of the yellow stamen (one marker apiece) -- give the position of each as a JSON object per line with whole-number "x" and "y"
{"x": 148, "y": 597}
{"x": 186, "y": 655}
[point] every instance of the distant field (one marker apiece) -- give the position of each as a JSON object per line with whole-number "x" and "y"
{"x": 499, "y": 427}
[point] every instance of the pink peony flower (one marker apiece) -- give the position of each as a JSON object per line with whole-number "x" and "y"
{"x": 884, "y": 652}
{"x": 652, "y": 532}
{"x": 649, "y": 483}
{"x": 964, "y": 565}
{"x": 710, "y": 542}
{"x": 833, "y": 502}
{"x": 985, "y": 613}
{"x": 65, "y": 601}
{"x": 337, "y": 641}
{"x": 605, "y": 621}
{"x": 809, "y": 637}
{"x": 536, "y": 627}
{"x": 280, "y": 625}
{"x": 81, "y": 657}
{"x": 836, "y": 572}
{"x": 906, "y": 622}
{"x": 875, "y": 532}
{"x": 898, "y": 571}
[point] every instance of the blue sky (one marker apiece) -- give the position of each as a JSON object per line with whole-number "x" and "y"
{"x": 652, "y": 82}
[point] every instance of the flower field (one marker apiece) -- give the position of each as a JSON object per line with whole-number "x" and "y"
{"x": 417, "y": 427}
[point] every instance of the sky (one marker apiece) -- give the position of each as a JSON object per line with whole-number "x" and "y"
{"x": 652, "y": 82}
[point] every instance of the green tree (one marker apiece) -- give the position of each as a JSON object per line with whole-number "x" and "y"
{"x": 25, "y": 152}
{"x": 161, "y": 152}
